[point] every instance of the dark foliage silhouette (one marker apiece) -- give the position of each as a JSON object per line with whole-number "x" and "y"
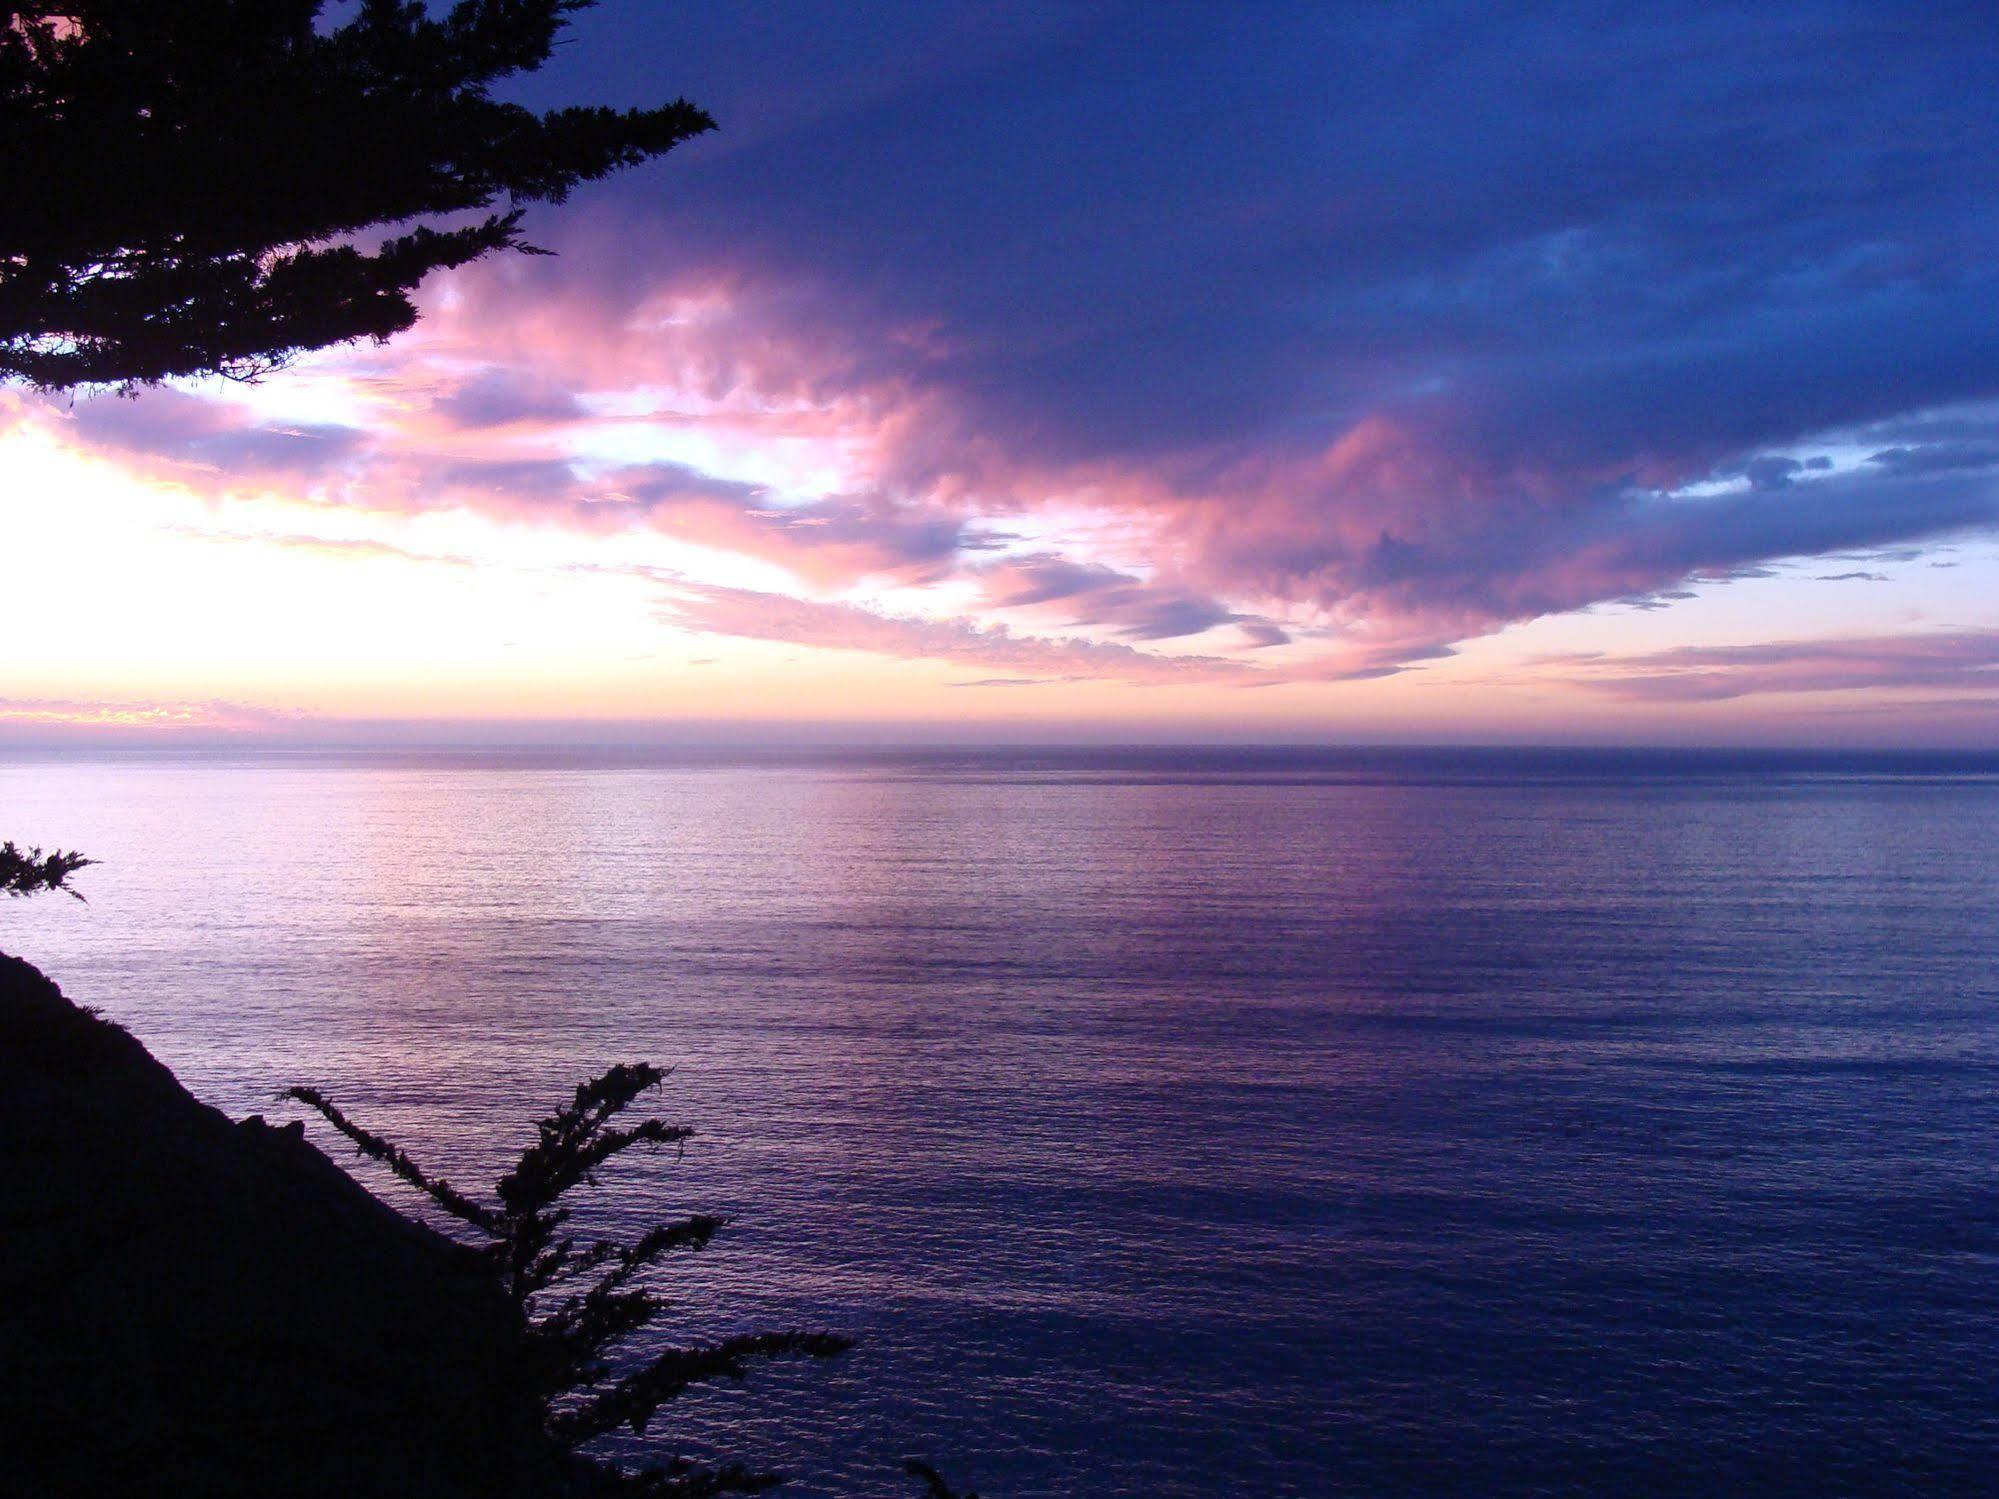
{"x": 209, "y": 185}
{"x": 934, "y": 1486}
{"x": 579, "y": 1302}
{"x": 30, "y": 871}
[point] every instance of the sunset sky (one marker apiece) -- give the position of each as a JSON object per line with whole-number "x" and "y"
{"x": 1052, "y": 372}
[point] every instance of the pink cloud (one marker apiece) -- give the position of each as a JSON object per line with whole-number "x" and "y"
{"x": 770, "y": 616}
{"x": 1967, "y": 660}
{"x": 1401, "y": 530}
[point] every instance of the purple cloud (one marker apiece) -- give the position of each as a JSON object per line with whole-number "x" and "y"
{"x": 1967, "y": 660}
{"x": 769, "y": 616}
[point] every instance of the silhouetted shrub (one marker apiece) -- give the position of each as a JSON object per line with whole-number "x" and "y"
{"x": 30, "y": 871}
{"x": 934, "y": 1486}
{"x": 581, "y": 1302}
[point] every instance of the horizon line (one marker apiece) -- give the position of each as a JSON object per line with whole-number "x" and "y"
{"x": 140, "y": 745}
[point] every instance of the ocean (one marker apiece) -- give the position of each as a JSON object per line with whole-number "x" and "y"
{"x": 1162, "y": 1123}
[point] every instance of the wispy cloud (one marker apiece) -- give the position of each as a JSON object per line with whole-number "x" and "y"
{"x": 326, "y": 546}
{"x": 1967, "y": 660}
{"x": 840, "y": 626}
{"x": 139, "y": 714}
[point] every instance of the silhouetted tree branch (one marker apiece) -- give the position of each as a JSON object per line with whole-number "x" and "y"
{"x": 580, "y": 1304}
{"x": 934, "y": 1486}
{"x": 30, "y": 871}
{"x": 438, "y": 1191}
{"x": 190, "y": 187}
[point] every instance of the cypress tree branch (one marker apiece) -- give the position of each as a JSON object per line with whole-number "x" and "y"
{"x": 375, "y": 1147}
{"x": 632, "y": 1401}
{"x": 30, "y": 871}
{"x": 934, "y": 1486}
{"x": 240, "y": 157}
{"x": 579, "y": 1309}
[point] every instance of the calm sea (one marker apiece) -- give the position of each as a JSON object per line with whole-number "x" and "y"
{"x": 1167, "y": 1124}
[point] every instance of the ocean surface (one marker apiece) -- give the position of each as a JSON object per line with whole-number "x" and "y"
{"x": 1199, "y": 1123}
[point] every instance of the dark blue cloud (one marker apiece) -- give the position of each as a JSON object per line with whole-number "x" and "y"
{"x": 1593, "y": 234}
{"x": 1097, "y": 595}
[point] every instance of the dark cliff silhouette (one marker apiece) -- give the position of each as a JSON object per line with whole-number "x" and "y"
{"x": 194, "y": 1306}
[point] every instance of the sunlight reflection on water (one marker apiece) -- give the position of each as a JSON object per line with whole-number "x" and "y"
{"x": 1163, "y": 1129}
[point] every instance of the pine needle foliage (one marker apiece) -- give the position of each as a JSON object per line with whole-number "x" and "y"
{"x": 934, "y": 1486}
{"x": 30, "y": 871}
{"x": 215, "y": 186}
{"x": 582, "y": 1301}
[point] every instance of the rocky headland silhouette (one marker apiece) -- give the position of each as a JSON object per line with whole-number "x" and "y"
{"x": 195, "y": 1305}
